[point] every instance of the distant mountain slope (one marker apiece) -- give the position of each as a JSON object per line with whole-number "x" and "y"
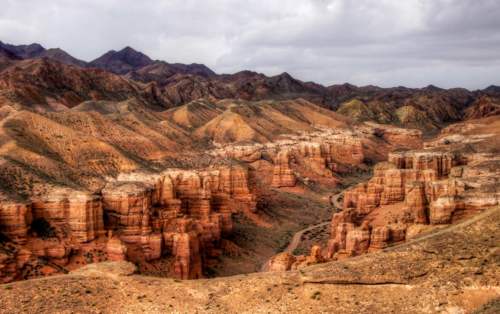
{"x": 236, "y": 121}
{"x": 47, "y": 85}
{"x": 7, "y": 57}
{"x": 167, "y": 85}
{"x": 38, "y": 51}
{"x": 24, "y": 51}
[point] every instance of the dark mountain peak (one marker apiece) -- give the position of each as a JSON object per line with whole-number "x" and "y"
{"x": 492, "y": 90}
{"x": 6, "y": 54}
{"x": 24, "y": 51}
{"x": 133, "y": 57}
{"x": 346, "y": 87}
{"x": 123, "y": 61}
{"x": 202, "y": 69}
{"x": 246, "y": 73}
{"x": 128, "y": 49}
{"x": 349, "y": 85}
{"x": 285, "y": 76}
{"x": 193, "y": 68}
{"x": 432, "y": 88}
{"x": 35, "y": 50}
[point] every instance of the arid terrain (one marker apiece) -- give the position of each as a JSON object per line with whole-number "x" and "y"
{"x": 135, "y": 185}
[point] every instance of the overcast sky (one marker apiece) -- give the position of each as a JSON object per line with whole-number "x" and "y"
{"x": 414, "y": 43}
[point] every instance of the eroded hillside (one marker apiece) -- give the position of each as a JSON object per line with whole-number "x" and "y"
{"x": 118, "y": 173}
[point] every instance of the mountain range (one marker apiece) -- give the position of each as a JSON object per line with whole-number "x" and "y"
{"x": 118, "y": 75}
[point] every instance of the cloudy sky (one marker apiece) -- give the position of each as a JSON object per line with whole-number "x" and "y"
{"x": 448, "y": 43}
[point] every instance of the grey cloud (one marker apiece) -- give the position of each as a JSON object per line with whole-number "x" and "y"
{"x": 383, "y": 42}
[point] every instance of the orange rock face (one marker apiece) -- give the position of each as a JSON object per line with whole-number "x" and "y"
{"x": 282, "y": 173}
{"x": 15, "y": 220}
{"x": 281, "y": 262}
{"x": 316, "y": 155}
{"x": 116, "y": 249}
{"x": 286, "y": 261}
{"x": 415, "y": 187}
{"x": 79, "y": 213}
{"x": 179, "y": 214}
{"x": 182, "y": 213}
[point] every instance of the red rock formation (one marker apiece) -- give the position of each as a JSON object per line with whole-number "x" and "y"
{"x": 116, "y": 250}
{"x": 15, "y": 220}
{"x": 281, "y": 262}
{"x": 78, "y": 212}
{"x": 416, "y": 202}
{"x": 380, "y": 237}
{"x": 147, "y": 214}
{"x": 283, "y": 175}
{"x": 186, "y": 249}
{"x": 128, "y": 209}
{"x": 409, "y": 138}
{"x": 416, "y": 187}
{"x": 179, "y": 214}
{"x": 358, "y": 240}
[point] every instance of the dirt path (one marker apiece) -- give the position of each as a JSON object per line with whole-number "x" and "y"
{"x": 297, "y": 237}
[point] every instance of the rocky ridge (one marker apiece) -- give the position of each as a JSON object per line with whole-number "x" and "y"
{"x": 169, "y": 85}
{"x": 415, "y": 191}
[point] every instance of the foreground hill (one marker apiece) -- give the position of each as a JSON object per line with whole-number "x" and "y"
{"x": 451, "y": 271}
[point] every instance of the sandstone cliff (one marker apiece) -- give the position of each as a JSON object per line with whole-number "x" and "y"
{"x": 177, "y": 214}
{"x": 412, "y": 188}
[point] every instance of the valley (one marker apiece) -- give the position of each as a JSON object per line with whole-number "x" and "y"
{"x": 141, "y": 185}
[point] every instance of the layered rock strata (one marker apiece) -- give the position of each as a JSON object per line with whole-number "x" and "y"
{"x": 176, "y": 214}
{"x": 412, "y": 188}
{"x": 321, "y": 153}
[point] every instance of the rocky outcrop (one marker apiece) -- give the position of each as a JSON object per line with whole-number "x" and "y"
{"x": 182, "y": 213}
{"x": 77, "y": 213}
{"x": 15, "y": 220}
{"x": 116, "y": 250}
{"x": 409, "y": 138}
{"x": 178, "y": 214}
{"x": 414, "y": 187}
{"x": 283, "y": 175}
{"x": 416, "y": 202}
{"x": 319, "y": 154}
{"x": 286, "y": 261}
{"x": 186, "y": 249}
{"x": 281, "y": 262}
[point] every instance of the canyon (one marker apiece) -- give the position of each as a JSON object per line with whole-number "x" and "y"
{"x": 132, "y": 172}
{"x": 174, "y": 221}
{"x": 410, "y": 194}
